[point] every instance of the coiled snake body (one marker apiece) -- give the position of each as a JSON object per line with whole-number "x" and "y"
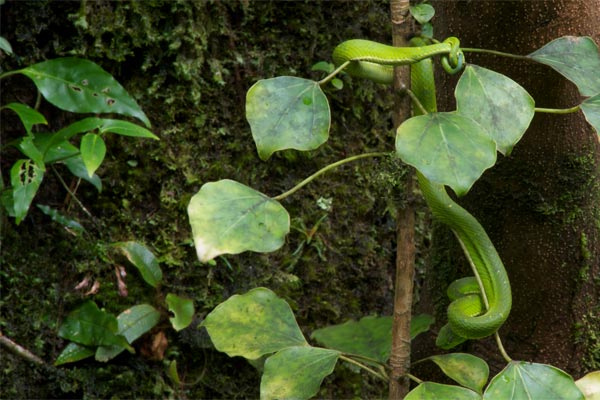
{"x": 472, "y": 314}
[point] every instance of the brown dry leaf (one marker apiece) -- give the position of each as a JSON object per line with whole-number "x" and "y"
{"x": 155, "y": 348}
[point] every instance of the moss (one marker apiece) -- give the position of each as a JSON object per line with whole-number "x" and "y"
{"x": 587, "y": 334}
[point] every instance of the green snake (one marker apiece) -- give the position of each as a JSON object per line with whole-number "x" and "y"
{"x": 471, "y": 314}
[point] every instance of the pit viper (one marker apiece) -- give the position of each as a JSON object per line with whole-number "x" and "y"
{"x": 471, "y": 314}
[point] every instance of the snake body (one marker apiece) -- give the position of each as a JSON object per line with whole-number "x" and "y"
{"x": 472, "y": 314}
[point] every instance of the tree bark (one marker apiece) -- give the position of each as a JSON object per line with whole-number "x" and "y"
{"x": 541, "y": 205}
{"x": 405, "y": 250}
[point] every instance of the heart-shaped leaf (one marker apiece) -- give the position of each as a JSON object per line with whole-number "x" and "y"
{"x": 253, "y": 324}
{"x": 469, "y": 371}
{"x": 93, "y": 150}
{"x": 422, "y": 12}
{"x": 525, "y": 380}
{"x": 420, "y": 324}
{"x": 496, "y": 102}
{"x": 437, "y": 391}
{"x": 576, "y": 58}
{"x": 448, "y": 148}
{"x": 296, "y": 372}
{"x": 182, "y": 308}
{"x": 82, "y": 86}
{"x": 591, "y": 110}
{"x": 287, "y": 113}
{"x": 370, "y": 337}
{"x": 143, "y": 259}
{"x": 229, "y": 218}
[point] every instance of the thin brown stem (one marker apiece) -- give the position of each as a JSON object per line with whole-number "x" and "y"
{"x": 399, "y": 384}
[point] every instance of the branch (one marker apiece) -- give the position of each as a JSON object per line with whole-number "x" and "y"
{"x": 20, "y": 350}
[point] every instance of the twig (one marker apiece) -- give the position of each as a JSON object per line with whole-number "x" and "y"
{"x": 20, "y": 350}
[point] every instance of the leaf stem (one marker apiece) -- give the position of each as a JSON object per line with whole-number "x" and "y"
{"x": 416, "y": 100}
{"x": 334, "y": 73}
{"x": 361, "y": 365}
{"x": 558, "y": 110}
{"x": 9, "y": 73}
{"x": 495, "y": 52}
{"x": 501, "y": 348}
{"x": 414, "y": 378}
{"x": 73, "y": 196}
{"x": 325, "y": 169}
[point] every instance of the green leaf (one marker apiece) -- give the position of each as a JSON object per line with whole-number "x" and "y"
{"x": 253, "y": 324}
{"x": 296, "y": 372}
{"x": 420, "y": 324}
{"x": 132, "y": 323}
{"x": 229, "y": 218}
{"x": 437, "y": 391}
{"x": 427, "y": 30}
{"x": 52, "y": 149}
{"x": 370, "y": 337}
{"x": 423, "y": 12}
{"x": 324, "y": 66}
{"x": 143, "y": 259}
{"x": 287, "y": 113}
{"x": 136, "y": 321}
{"x": 448, "y": 148}
{"x": 77, "y": 167}
{"x": 124, "y": 128}
{"x": 469, "y": 371}
{"x": 591, "y": 110}
{"x": 182, "y": 308}
{"x": 61, "y": 219}
{"x": 28, "y": 147}
{"x": 497, "y": 103}
{"x": 28, "y": 115}
{"x": 525, "y": 380}
{"x": 173, "y": 374}
{"x": 90, "y": 326}
{"x": 81, "y": 86}
{"x": 590, "y": 385}
{"x": 5, "y": 46}
{"x": 337, "y": 83}
{"x": 73, "y": 352}
{"x": 576, "y": 58}
{"x": 92, "y": 150}
{"x": 25, "y": 178}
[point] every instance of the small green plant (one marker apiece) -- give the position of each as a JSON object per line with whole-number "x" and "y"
{"x": 448, "y": 149}
{"x": 78, "y": 86}
{"x": 95, "y": 332}
{"x": 81, "y": 86}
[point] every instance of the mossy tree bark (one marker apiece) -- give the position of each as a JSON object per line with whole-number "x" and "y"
{"x": 541, "y": 205}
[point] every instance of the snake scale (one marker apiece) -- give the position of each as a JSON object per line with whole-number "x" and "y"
{"x": 471, "y": 314}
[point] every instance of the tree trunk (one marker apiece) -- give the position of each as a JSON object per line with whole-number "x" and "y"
{"x": 541, "y": 205}
{"x": 405, "y": 249}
